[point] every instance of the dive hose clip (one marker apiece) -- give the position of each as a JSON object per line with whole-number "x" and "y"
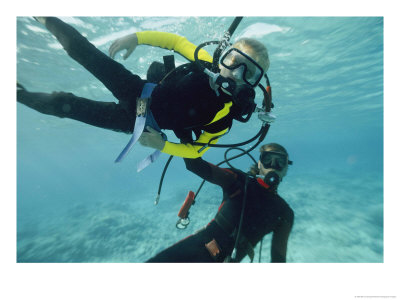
{"x": 265, "y": 116}
{"x": 183, "y": 214}
{"x": 182, "y": 223}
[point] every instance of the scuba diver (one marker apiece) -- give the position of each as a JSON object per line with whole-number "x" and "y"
{"x": 251, "y": 208}
{"x": 186, "y": 101}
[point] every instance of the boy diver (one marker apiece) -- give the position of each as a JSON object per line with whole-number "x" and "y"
{"x": 184, "y": 102}
{"x": 251, "y": 208}
{"x": 236, "y": 65}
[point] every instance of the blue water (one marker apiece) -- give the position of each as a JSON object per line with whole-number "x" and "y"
{"x": 75, "y": 205}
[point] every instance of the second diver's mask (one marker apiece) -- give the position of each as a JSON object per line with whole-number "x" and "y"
{"x": 274, "y": 160}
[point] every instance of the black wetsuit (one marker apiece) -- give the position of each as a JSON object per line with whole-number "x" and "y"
{"x": 185, "y": 103}
{"x": 265, "y": 212}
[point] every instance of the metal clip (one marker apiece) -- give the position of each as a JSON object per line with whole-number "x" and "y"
{"x": 264, "y": 116}
{"x": 141, "y": 105}
{"x": 182, "y": 223}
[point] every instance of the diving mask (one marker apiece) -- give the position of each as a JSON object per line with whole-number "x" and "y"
{"x": 242, "y": 67}
{"x": 274, "y": 160}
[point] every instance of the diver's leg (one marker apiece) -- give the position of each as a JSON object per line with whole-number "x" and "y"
{"x": 124, "y": 85}
{"x": 108, "y": 115}
{"x": 190, "y": 249}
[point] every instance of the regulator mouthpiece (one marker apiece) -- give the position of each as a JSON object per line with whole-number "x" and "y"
{"x": 272, "y": 179}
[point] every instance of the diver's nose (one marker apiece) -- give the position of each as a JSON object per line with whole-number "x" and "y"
{"x": 273, "y": 162}
{"x": 238, "y": 73}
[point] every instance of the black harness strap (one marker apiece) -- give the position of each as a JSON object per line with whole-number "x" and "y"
{"x": 169, "y": 63}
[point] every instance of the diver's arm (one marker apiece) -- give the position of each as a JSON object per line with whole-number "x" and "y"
{"x": 192, "y": 151}
{"x": 153, "y": 139}
{"x": 158, "y": 39}
{"x": 171, "y": 41}
{"x": 225, "y": 178}
{"x": 280, "y": 238}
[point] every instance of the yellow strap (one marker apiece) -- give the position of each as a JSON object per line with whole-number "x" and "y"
{"x": 172, "y": 41}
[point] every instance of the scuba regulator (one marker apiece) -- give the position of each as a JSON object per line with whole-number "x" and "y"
{"x": 272, "y": 179}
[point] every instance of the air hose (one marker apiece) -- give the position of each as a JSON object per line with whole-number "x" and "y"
{"x": 205, "y": 145}
{"x": 264, "y": 132}
{"x": 261, "y": 134}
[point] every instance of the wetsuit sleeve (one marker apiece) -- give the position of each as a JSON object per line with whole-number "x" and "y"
{"x": 192, "y": 151}
{"x": 171, "y": 41}
{"x": 280, "y": 237}
{"x": 225, "y": 178}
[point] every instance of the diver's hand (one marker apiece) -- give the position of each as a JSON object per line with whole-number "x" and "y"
{"x": 128, "y": 42}
{"x": 152, "y": 139}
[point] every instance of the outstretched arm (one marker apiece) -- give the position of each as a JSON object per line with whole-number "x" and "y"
{"x": 153, "y": 139}
{"x": 225, "y": 178}
{"x": 164, "y": 40}
{"x": 189, "y": 150}
{"x": 222, "y": 177}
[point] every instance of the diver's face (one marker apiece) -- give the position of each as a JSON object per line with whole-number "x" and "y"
{"x": 229, "y": 74}
{"x": 236, "y": 75}
{"x": 274, "y": 162}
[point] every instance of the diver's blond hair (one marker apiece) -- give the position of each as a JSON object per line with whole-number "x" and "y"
{"x": 255, "y": 50}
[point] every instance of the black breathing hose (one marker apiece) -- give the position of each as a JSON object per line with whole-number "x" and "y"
{"x": 162, "y": 178}
{"x": 263, "y": 134}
